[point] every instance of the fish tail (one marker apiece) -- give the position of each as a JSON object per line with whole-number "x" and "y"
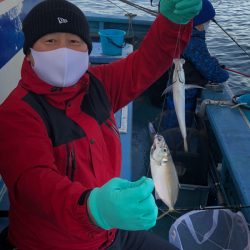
{"x": 185, "y": 145}
{"x": 163, "y": 215}
{"x": 167, "y": 89}
{"x": 170, "y": 210}
{"x": 151, "y": 129}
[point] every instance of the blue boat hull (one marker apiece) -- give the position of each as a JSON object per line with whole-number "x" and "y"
{"x": 11, "y": 28}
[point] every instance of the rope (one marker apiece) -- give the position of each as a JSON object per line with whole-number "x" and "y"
{"x": 137, "y": 6}
{"x": 130, "y": 20}
{"x": 130, "y": 26}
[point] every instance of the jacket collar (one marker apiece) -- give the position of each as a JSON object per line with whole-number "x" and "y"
{"x": 54, "y": 95}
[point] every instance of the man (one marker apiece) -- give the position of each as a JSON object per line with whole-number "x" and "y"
{"x": 60, "y": 148}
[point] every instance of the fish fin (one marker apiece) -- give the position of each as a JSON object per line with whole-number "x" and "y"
{"x": 192, "y": 86}
{"x": 157, "y": 197}
{"x": 151, "y": 130}
{"x": 182, "y": 60}
{"x": 164, "y": 213}
{"x": 180, "y": 169}
{"x": 167, "y": 89}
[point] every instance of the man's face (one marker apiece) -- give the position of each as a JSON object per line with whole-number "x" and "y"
{"x": 58, "y": 40}
{"x": 202, "y": 26}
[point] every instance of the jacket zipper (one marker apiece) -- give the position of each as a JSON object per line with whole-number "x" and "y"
{"x": 71, "y": 162}
{"x": 113, "y": 127}
{"x": 68, "y": 159}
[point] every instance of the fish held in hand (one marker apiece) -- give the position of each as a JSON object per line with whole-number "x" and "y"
{"x": 163, "y": 172}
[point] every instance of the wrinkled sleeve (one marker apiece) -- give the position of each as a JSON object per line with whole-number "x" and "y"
{"x": 125, "y": 79}
{"x": 208, "y": 66}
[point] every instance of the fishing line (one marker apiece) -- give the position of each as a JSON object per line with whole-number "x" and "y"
{"x": 118, "y": 6}
{"x": 130, "y": 26}
{"x": 231, "y": 38}
{"x": 237, "y": 72}
{"x": 235, "y": 208}
{"x": 170, "y": 73}
{"x": 177, "y": 46}
{"x": 149, "y": 11}
{"x": 155, "y": 13}
{"x": 130, "y": 20}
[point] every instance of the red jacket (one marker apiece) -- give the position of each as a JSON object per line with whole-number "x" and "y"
{"x": 49, "y": 160}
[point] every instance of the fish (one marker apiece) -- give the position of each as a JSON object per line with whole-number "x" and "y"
{"x": 164, "y": 173}
{"x": 179, "y": 98}
{"x": 178, "y": 87}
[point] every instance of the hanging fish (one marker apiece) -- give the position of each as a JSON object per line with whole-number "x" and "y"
{"x": 179, "y": 98}
{"x": 164, "y": 173}
{"x": 178, "y": 87}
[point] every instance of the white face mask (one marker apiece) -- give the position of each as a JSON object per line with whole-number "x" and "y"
{"x": 60, "y": 67}
{"x": 206, "y": 26}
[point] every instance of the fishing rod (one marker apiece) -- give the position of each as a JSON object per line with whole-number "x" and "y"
{"x": 153, "y": 5}
{"x": 236, "y": 208}
{"x": 201, "y": 208}
{"x": 231, "y": 38}
{"x": 149, "y": 11}
{"x": 237, "y": 72}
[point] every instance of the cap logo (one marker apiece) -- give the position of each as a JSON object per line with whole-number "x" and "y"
{"x": 62, "y": 20}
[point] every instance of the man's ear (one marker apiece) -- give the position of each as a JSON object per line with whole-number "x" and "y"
{"x": 30, "y": 58}
{"x": 199, "y": 27}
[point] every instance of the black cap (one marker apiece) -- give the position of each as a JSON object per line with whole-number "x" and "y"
{"x": 51, "y": 16}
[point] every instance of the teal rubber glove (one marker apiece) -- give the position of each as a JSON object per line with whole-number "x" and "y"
{"x": 123, "y": 204}
{"x": 180, "y": 11}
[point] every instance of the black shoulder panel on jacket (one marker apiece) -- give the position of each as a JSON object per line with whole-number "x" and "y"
{"x": 96, "y": 103}
{"x": 61, "y": 129}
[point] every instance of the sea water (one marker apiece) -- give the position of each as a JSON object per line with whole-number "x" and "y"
{"x": 232, "y": 15}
